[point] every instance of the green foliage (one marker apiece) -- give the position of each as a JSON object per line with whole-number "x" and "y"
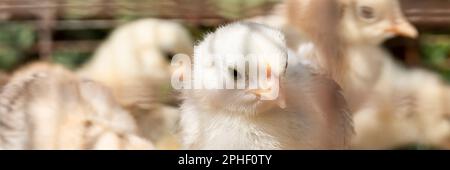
{"x": 436, "y": 53}
{"x": 70, "y": 58}
{"x": 19, "y": 36}
{"x": 15, "y": 40}
{"x": 8, "y": 58}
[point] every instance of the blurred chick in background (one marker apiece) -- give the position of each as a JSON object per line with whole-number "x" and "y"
{"x": 135, "y": 63}
{"x": 393, "y": 106}
{"x": 308, "y": 113}
{"x": 365, "y": 25}
{"x": 45, "y": 106}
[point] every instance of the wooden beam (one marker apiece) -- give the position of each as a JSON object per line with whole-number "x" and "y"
{"x": 45, "y": 30}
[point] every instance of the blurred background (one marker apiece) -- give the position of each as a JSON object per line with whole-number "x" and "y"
{"x": 69, "y": 31}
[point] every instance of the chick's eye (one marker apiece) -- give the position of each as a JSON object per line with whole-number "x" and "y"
{"x": 234, "y": 74}
{"x": 367, "y": 12}
{"x": 168, "y": 55}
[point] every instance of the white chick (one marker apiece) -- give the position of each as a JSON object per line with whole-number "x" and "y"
{"x": 308, "y": 113}
{"x": 45, "y": 106}
{"x": 135, "y": 63}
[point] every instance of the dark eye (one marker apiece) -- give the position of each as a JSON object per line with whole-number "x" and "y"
{"x": 168, "y": 55}
{"x": 234, "y": 74}
{"x": 367, "y": 12}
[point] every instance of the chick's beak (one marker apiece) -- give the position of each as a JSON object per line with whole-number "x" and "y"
{"x": 280, "y": 100}
{"x": 268, "y": 94}
{"x": 403, "y": 29}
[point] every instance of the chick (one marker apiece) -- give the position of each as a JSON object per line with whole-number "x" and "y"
{"x": 45, "y": 106}
{"x": 135, "y": 63}
{"x": 365, "y": 25}
{"x": 393, "y": 105}
{"x": 307, "y": 113}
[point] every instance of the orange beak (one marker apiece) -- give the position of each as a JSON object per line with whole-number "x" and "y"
{"x": 403, "y": 29}
{"x": 269, "y": 93}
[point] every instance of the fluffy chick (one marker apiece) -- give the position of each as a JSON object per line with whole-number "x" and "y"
{"x": 312, "y": 116}
{"x": 365, "y": 25}
{"x": 45, "y": 106}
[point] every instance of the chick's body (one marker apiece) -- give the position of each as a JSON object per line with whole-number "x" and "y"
{"x": 234, "y": 119}
{"x": 45, "y": 106}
